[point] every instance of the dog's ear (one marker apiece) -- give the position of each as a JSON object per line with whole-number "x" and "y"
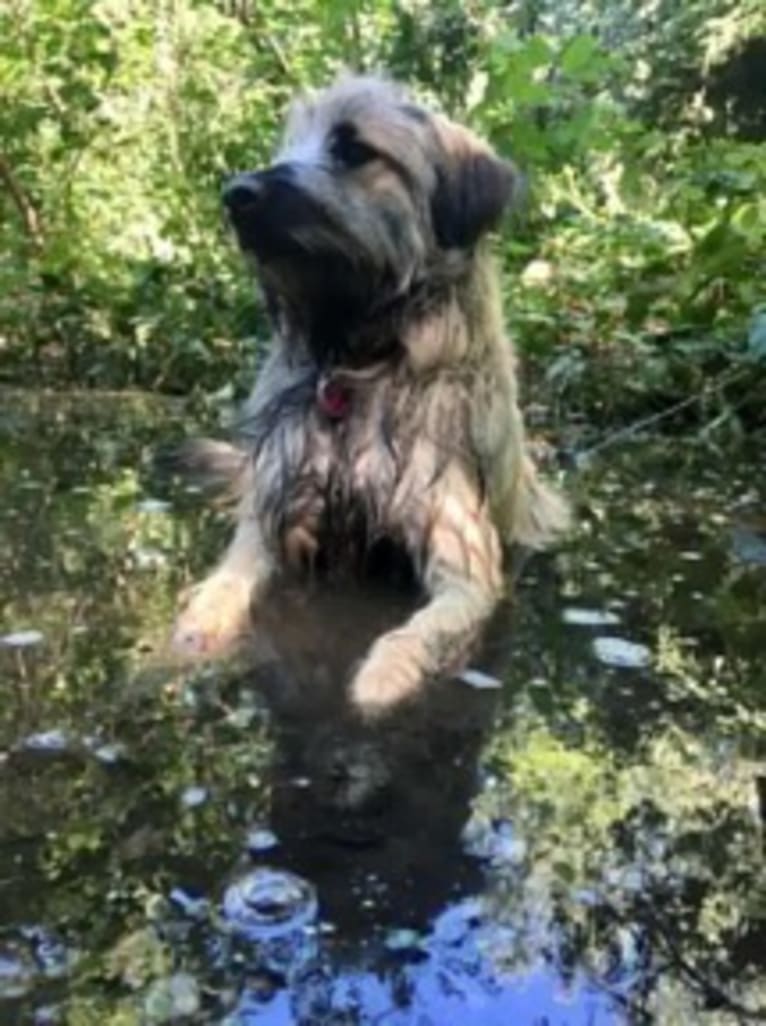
{"x": 474, "y": 187}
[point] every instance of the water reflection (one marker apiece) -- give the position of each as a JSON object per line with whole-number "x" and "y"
{"x": 583, "y": 846}
{"x": 372, "y": 814}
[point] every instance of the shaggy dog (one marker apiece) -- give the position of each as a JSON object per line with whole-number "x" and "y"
{"x": 387, "y": 407}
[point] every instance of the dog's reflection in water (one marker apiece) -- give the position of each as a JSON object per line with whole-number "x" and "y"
{"x": 371, "y": 813}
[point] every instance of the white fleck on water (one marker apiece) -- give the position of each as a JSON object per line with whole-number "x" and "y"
{"x": 193, "y": 796}
{"x": 621, "y": 653}
{"x": 579, "y": 617}
{"x": 55, "y": 740}
{"x": 261, "y": 839}
{"x": 149, "y": 505}
{"x": 22, "y": 639}
{"x": 480, "y": 680}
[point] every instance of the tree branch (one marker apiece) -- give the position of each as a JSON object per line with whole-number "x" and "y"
{"x": 249, "y": 15}
{"x": 23, "y": 203}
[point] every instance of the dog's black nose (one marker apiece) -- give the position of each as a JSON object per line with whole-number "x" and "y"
{"x": 242, "y": 191}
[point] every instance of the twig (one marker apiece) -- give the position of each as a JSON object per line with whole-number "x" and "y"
{"x": 26, "y": 208}
{"x": 273, "y": 45}
{"x": 711, "y": 991}
{"x": 246, "y": 12}
{"x": 654, "y": 418}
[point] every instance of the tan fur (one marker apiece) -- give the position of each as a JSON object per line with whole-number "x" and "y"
{"x": 431, "y": 451}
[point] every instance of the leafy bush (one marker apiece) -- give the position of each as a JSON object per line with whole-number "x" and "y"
{"x": 641, "y": 243}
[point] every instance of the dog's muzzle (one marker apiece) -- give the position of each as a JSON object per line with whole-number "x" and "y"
{"x": 246, "y": 192}
{"x": 267, "y": 208}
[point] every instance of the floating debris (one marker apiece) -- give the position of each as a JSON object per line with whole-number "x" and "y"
{"x": 17, "y": 972}
{"x": 172, "y": 997}
{"x": 193, "y": 906}
{"x": 152, "y": 506}
{"x": 48, "y": 1015}
{"x": 261, "y": 839}
{"x": 242, "y": 717}
{"x": 748, "y": 545}
{"x": 109, "y": 753}
{"x": 60, "y": 742}
{"x": 494, "y": 840}
{"x": 479, "y": 680}
{"x": 194, "y": 796}
{"x": 404, "y": 940}
{"x": 47, "y": 742}
{"x": 52, "y": 956}
{"x": 147, "y": 558}
{"x": 137, "y": 958}
{"x": 578, "y": 617}
{"x": 618, "y": 652}
{"x": 22, "y": 639}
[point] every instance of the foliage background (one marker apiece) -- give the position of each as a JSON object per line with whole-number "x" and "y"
{"x": 634, "y": 280}
{"x": 635, "y": 269}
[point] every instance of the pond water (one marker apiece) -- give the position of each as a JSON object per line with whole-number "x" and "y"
{"x": 581, "y": 846}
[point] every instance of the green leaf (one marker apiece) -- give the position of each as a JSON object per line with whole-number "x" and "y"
{"x": 537, "y": 51}
{"x": 748, "y": 220}
{"x": 577, "y": 54}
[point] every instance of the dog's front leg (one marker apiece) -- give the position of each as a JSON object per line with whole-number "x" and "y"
{"x": 463, "y": 578}
{"x": 217, "y": 614}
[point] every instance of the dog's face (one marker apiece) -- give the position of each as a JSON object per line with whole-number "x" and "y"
{"x": 368, "y": 195}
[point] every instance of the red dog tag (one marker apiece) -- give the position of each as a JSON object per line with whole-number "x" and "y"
{"x": 333, "y": 399}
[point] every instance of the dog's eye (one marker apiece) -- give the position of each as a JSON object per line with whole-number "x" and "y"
{"x": 349, "y": 150}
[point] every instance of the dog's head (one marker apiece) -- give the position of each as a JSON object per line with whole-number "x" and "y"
{"x": 369, "y": 196}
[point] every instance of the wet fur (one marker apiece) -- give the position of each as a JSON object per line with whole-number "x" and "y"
{"x": 383, "y": 281}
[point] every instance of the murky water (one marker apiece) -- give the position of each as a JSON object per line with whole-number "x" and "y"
{"x": 581, "y": 846}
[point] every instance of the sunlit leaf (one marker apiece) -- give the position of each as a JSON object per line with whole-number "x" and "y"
{"x": 578, "y": 54}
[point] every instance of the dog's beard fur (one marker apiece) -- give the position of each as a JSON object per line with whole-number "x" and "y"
{"x": 368, "y": 236}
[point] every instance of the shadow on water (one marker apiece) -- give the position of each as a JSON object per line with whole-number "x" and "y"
{"x": 582, "y": 845}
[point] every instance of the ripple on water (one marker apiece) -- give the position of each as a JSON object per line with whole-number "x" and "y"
{"x": 275, "y": 913}
{"x": 269, "y": 902}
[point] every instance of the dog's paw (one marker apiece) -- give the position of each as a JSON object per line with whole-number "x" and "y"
{"x": 214, "y": 619}
{"x": 392, "y": 673}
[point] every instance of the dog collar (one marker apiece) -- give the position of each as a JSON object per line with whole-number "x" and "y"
{"x": 333, "y": 398}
